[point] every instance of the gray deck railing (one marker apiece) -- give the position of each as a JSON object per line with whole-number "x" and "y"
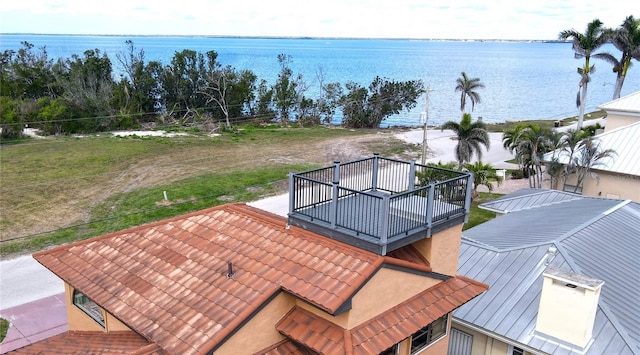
{"x": 379, "y": 198}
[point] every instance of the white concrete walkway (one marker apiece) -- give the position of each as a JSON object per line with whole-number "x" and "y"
{"x": 24, "y": 280}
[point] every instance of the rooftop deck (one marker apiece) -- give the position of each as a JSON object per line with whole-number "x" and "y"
{"x": 379, "y": 204}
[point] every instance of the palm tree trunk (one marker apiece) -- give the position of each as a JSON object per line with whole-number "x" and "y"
{"x": 618, "y": 88}
{"x": 583, "y": 103}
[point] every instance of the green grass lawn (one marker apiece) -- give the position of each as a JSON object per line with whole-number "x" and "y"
{"x": 508, "y": 125}
{"x": 4, "y": 327}
{"x": 478, "y": 215}
{"x": 63, "y": 189}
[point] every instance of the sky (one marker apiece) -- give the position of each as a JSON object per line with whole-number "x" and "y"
{"x": 420, "y": 19}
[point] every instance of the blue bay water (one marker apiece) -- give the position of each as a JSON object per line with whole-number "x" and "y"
{"x": 523, "y": 80}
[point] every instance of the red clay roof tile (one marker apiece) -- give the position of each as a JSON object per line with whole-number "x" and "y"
{"x": 174, "y": 271}
{"x": 284, "y": 347}
{"x": 383, "y": 331}
{"x": 168, "y": 280}
{"x": 77, "y": 342}
{"x": 397, "y": 324}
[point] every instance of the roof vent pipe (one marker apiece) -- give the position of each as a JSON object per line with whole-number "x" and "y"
{"x": 551, "y": 254}
{"x": 230, "y": 272}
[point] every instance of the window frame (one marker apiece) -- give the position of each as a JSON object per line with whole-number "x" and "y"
{"x": 514, "y": 350}
{"x": 93, "y": 310}
{"x": 394, "y": 349}
{"x": 430, "y": 338}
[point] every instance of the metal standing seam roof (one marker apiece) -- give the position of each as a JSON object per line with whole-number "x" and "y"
{"x": 626, "y": 104}
{"x": 540, "y": 225}
{"x": 528, "y": 198}
{"x": 593, "y": 237}
{"x": 623, "y": 140}
{"x": 168, "y": 281}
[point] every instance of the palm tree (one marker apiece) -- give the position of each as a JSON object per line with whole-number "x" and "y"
{"x": 532, "y": 144}
{"x": 467, "y": 88}
{"x": 471, "y": 135}
{"x": 510, "y": 141}
{"x": 572, "y": 139}
{"x": 584, "y": 44}
{"x": 557, "y": 143}
{"x": 483, "y": 174}
{"x": 589, "y": 155}
{"x": 627, "y": 40}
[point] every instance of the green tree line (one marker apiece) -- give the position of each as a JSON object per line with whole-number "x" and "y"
{"x": 80, "y": 94}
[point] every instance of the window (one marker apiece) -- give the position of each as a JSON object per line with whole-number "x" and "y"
{"x": 391, "y": 351}
{"x": 514, "y": 350}
{"x": 88, "y": 306}
{"x": 429, "y": 334}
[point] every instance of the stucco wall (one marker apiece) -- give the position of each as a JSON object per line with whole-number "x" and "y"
{"x": 616, "y": 121}
{"x": 442, "y": 250}
{"x": 610, "y": 185}
{"x": 384, "y": 290}
{"x": 483, "y": 344}
{"x": 260, "y": 331}
{"x": 78, "y": 320}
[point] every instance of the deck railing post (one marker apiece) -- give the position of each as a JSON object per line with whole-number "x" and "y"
{"x": 430, "y": 203}
{"x": 412, "y": 175}
{"x": 333, "y": 209}
{"x": 374, "y": 173}
{"x": 467, "y": 200}
{"x": 336, "y": 172}
{"x": 292, "y": 191}
{"x": 384, "y": 228}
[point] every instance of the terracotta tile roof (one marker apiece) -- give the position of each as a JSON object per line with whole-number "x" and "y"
{"x": 284, "y": 347}
{"x": 384, "y": 330}
{"x": 410, "y": 254}
{"x": 313, "y": 331}
{"x": 397, "y": 323}
{"x": 76, "y": 342}
{"x": 168, "y": 280}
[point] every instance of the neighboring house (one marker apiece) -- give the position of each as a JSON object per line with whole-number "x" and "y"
{"x": 622, "y": 112}
{"x": 366, "y": 263}
{"x": 564, "y": 277}
{"x": 614, "y": 177}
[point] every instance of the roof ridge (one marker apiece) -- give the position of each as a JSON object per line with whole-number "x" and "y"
{"x": 264, "y": 215}
{"x": 132, "y": 229}
{"x": 590, "y": 221}
{"x": 470, "y": 280}
{"x": 406, "y": 264}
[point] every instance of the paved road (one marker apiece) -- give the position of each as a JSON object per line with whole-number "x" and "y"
{"x": 23, "y": 280}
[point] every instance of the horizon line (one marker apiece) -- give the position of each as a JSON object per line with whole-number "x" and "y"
{"x": 282, "y": 37}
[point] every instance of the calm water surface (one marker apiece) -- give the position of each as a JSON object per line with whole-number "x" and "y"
{"x": 523, "y": 80}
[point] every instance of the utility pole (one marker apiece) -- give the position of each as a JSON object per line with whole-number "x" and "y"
{"x": 424, "y": 134}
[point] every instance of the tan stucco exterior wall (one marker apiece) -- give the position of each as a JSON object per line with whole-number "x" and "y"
{"x": 610, "y": 185}
{"x": 383, "y": 291}
{"x": 483, "y": 344}
{"x": 78, "y": 320}
{"x": 260, "y": 331}
{"x": 616, "y": 121}
{"x": 442, "y": 250}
